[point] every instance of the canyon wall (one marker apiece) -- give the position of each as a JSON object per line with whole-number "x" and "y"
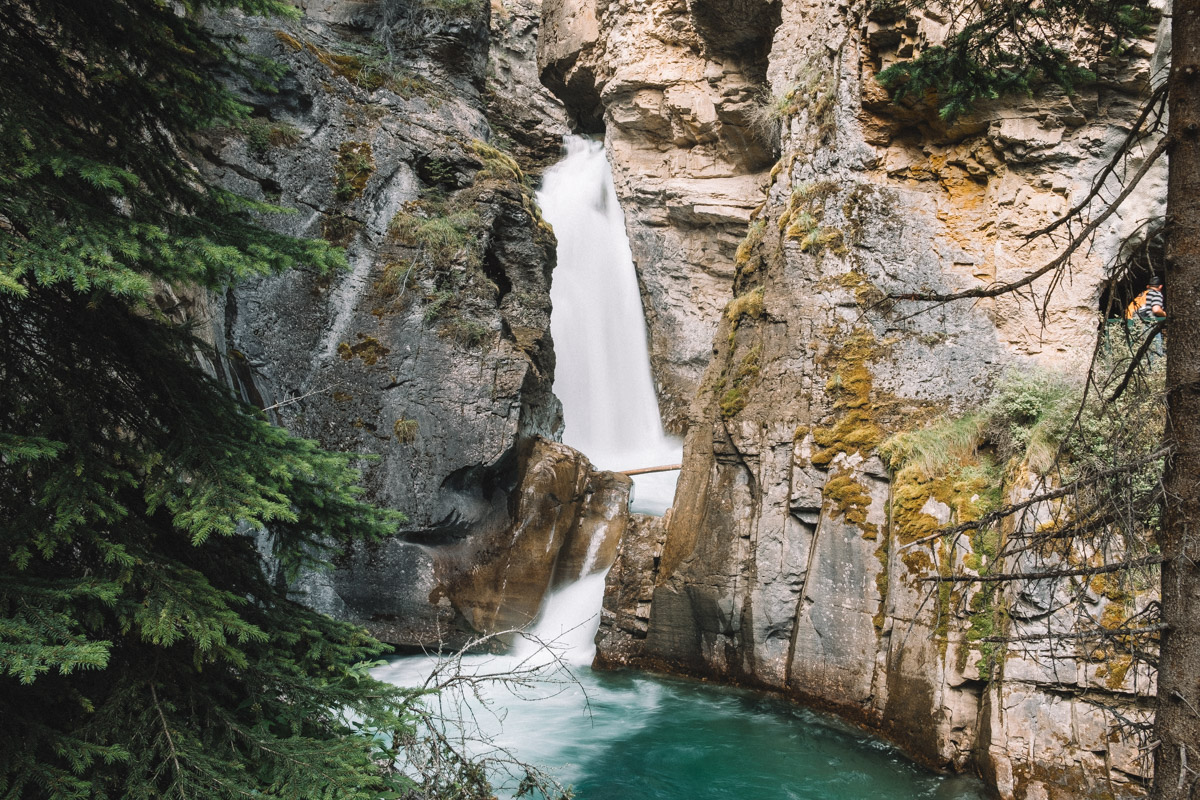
{"x": 401, "y": 131}
{"x": 774, "y": 198}
{"x": 767, "y": 242}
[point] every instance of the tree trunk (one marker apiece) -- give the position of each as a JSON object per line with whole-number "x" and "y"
{"x": 1177, "y": 722}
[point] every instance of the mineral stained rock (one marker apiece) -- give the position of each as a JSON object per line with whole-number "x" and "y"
{"x": 775, "y": 198}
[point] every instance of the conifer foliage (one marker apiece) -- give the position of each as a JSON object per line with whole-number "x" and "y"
{"x": 1012, "y": 47}
{"x": 144, "y": 651}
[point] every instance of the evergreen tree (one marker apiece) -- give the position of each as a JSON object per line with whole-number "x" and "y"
{"x": 143, "y": 650}
{"x": 1014, "y": 46}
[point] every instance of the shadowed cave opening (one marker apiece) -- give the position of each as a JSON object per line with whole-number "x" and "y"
{"x": 1146, "y": 259}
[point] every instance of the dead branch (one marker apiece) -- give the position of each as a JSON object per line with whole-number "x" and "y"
{"x": 1095, "y": 633}
{"x": 1136, "y": 361}
{"x": 1157, "y": 98}
{"x": 1002, "y": 577}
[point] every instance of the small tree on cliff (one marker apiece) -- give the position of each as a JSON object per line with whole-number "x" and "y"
{"x": 143, "y": 650}
{"x": 1016, "y": 46}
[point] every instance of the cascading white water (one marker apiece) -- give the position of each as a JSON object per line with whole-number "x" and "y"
{"x": 603, "y": 364}
{"x": 628, "y": 735}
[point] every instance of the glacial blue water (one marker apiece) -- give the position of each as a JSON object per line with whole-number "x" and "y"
{"x": 627, "y": 735}
{"x": 634, "y": 736}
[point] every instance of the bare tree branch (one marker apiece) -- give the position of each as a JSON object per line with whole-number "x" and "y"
{"x": 1154, "y": 330}
{"x": 1002, "y": 577}
{"x": 1094, "y": 633}
{"x": 1157, "y": 98}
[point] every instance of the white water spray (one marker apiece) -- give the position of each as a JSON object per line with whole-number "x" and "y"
{"x": 566, "y": 629}
{"x": 603, "y": 363}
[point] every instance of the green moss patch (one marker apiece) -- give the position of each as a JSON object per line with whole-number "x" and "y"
{"x": 802, "y": 219}
{"x": 405, "y": 430}
{"x": 866, "y": 294}
{"x": 368, "y": 68}
{"x": 339, "y": 229}
{"x": 369, "y": 349}
{"x": 747, "y": 306}
{"x": 498, "y": 165}
{"x": 849, "y": 499}
{"x": 855, "y": 429}
{"x": 735, "y": 389}
{"x": 747, "y": 258}
{"x": 882, "y": 582}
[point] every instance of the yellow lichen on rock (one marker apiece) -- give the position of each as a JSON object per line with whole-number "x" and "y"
{"x": 850, "y": 500}
{"x": 855, "y": 429}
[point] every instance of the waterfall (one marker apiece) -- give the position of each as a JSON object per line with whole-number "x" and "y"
{"x": 602, "y": 375}
{"x": 624, "y": 734}
{"x": 566, "y": 628}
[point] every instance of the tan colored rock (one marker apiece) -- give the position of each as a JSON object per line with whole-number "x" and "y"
{"x": 780, "y": 566}
{"x": 566, "y": 525}
{"x": 688, "y": 164}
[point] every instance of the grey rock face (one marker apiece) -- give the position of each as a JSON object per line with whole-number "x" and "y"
{"x": 432, "y": 352}
{"x": 520, "y": 108}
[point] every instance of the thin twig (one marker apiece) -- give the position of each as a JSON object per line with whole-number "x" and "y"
{"x": 1154, "y": 330}
{"x": 1102, "y": 633}
{"x": 1156, "y": 97}
{"x": 283, "y": 403}
{"x": 1003, "y": 577}
{"x": 170, "y": 743}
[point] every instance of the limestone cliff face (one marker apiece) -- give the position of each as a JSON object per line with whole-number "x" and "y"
{"x": 688, "y": 164}
{"x": 790, "y": 561}
{"x": 432, "y": 352}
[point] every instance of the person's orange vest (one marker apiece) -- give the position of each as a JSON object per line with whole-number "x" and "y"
{"x": 1135, "y": 305}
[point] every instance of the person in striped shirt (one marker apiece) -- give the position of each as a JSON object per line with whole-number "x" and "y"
{"x": 1153, "y": 309}
{"x": 1153, "y": 306}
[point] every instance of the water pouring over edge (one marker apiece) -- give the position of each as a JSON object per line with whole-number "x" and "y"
{"x": 603, "y": 362}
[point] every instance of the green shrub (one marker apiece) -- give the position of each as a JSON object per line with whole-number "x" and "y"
{"x": 262, "y": 135}
{"x": 439, "y": 304}
{"x": 1030, "y": 416}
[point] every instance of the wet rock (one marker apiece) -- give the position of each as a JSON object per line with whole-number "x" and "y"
{"x": 565, "y": 525}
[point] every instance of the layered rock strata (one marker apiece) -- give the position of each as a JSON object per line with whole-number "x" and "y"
{"x": 431, "y": 353}
{"x": 789, "y": 561}
{"x": 688, "y": 162}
